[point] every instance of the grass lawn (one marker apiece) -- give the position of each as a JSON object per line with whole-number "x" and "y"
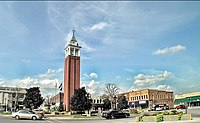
{"x": 6, "y": 113}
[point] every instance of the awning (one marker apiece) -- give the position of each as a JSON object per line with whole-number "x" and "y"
{"x": 142, "y": 102}
{"x": 187, "y": 99}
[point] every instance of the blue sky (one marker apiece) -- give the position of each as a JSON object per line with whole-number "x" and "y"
{"x": 136, "y": 45}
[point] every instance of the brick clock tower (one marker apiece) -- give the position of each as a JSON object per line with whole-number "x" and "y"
{"x": 71, "y": 70}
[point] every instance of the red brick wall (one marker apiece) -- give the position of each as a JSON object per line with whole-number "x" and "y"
{"x": 71, "y": 78}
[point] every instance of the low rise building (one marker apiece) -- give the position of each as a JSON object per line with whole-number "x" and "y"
{"x": 97, "y": 103}
{"x": 189, "y": 99}
{"x": 148, "y": 98}
{"x": 57, "y": 99}
{"x": 11, "y": 98}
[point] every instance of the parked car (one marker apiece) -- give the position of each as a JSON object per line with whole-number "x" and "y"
{"x": 39, "y": 112}
{"x": 180, "y": 107}
{"x": 23, "y": 114}
{"x": 114, "y": 114}
{"x": 158, "y": 108}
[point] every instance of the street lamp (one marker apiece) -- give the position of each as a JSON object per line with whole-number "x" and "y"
{"x": 189, "y": 101}
{"x": 115, "y": 101}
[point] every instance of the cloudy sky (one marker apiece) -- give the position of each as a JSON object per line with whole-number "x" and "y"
{"x": 136, "y": 45}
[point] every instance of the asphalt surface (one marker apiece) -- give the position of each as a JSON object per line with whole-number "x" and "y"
{"x": 6, "y": 119}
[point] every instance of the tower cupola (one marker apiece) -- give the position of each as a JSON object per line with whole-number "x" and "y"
{"x": 73, "y": 48}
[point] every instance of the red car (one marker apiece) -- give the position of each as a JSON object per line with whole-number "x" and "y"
{"x": 180, "y": 107}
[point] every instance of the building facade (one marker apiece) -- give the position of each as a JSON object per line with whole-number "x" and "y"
{"x": 148, "y": 98}
{"x": 189, "y": 99}
{"x": 11, "y": 98}
{"x": 97, "y": 103}
{"x": 71, "y": 70}
{"x": 57, "y": 99}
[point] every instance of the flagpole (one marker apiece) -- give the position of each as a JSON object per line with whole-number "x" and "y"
{"x": 55, "y": 96}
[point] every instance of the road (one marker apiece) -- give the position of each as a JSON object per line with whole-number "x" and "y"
{"x": 4, "y": 119}
{"x": 7, "y": 119}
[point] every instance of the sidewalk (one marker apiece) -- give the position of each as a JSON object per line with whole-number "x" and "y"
{"x": 65, "y": 117}
{"x": 194, "y": 120}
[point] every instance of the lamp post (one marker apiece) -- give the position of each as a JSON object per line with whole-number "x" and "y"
{"x": 189, "y": 101}
{"x": 115, "y": 101}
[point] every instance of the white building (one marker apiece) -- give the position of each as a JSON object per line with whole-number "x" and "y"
{"x": 9, "y": 96}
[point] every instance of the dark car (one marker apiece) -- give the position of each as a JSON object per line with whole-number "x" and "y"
{"x": 115, "y": 114}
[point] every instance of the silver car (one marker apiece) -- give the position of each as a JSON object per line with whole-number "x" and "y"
{"x": 23, "y": 114}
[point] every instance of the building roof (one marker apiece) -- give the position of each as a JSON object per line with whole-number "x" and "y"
{"x": 150, "y": 90}
{"x": 187, "y": 99}
{"x": 192, "y": 94}
{"x": 73, "y": 40}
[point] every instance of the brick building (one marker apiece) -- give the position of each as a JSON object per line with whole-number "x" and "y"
{"x": 147, "y": 98}
{"x": 71, "y": 70}
{"x": 57, "y": 98}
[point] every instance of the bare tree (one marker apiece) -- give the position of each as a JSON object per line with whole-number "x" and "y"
{"x": 111, "y": 90}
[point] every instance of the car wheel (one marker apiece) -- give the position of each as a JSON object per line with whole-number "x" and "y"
{"x": 126, "y": 115}
{"x": 112, "y": 117}
{"x": 34, "y": 118}
{"x": 17, "y": 117}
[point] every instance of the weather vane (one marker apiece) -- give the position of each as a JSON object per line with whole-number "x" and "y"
{"x": 73, "y": 31}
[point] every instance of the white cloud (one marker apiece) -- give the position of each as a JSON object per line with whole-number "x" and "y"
{"x": 93, "y": 75}
{"x": 91, "y": 84}
{"x": 46, "y": 81}
{"x": 86, "y": 75}
{"x": 128, "y": 70}
{"x": 26, "y": 60}
{"x": 164, "y": 87}
{"x": 99, "y": 26}
{"x": 50, "y": 73}
{"x": 142, "y": 80}
{"x": 27, "y": 80}
{"x": 2, "y": 82}
{"x": 93, "y": 87}
{"x": 118, "y": 77}
{"x": 86, "y": 48}
{"x": 169, "y": 50}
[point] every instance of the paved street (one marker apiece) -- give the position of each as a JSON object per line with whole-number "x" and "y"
{"x": 6, "y": 119}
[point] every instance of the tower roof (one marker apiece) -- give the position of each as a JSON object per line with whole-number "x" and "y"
{"x": 73, "y": 37}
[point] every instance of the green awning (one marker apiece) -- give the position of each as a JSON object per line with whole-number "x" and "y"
{"x": 187, "y": 99}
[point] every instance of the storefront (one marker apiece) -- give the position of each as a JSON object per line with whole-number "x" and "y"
{"x": 139, "y": 104}
{"x": 190, "y": 101}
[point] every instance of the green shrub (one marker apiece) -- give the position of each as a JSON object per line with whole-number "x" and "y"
{"x": 166, "y": 113}
{"x": 7, "y": 113}
{"x": 174, "y": 112}
{"x": 159, "y": 117}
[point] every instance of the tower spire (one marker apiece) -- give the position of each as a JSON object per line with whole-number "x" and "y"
{"x": 73, "y": 30}
{"x": 73, "y": 40}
